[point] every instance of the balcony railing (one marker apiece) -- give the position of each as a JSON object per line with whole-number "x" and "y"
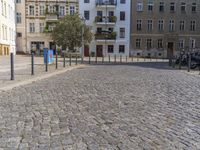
{"x": 51, "y": 17}
{"x": 106, "y": 2}
{"x": 106, "y": 36}
{"x": 104, "y": 19}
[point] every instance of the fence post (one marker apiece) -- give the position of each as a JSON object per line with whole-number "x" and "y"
{"x": 47, "y": 61}
{"x": 76, "y": 59}
{"x": 64, "y": 60}
{"x": 32, "y": 63}
{"x": 12, "y": 66}
{"x": 70, "y": 59}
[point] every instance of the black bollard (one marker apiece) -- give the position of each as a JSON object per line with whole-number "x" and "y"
{"x": 132, "y": 58}
{"x": 126, "y": 58}
{"x": 120, "y": 58}
{"x": 12, "y": 66}
{"x": 82, "y": 60}
{"x": 115, "y": 58}
{"x": 96, "y": 59}
{"x": 180, "y": 59}
{"x": 103, "y": 59}
{"x": 137, "y": 58}
{"x": 46, "y": 68}
{"x": 109, "y": 58}
{"x": 56, "y": 60}
{"x": 70, "y": 59}
{"x": 32, "y": 63}
{"x": 189, "y": 62}
{"x": 76, "y": 59}
{"x": 64, "y": 60}
{"x": 89, "y": 59}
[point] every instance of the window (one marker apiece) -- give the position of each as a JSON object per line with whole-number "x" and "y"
{"x": 149, "y": 25}
{"x": 183, "y": 7}
{"x": 42, "y": 10}
{"x": 139, "y": 6}
{"x": 138, "y": 43}
{"x": 122, "y": 15}
{"x": 161, "y": 7}
{"x": 194, "y": 7}
{"x": 31, "y": 10}
{"x": 19, "y": 34}
{"x": 62, "y": 11}
{"x": 18, "y": 18}
{"x": 181, "y": 44}
{"x": 150, "y": 5}
{"x": 110, "y": 48}
{"x": 139, "y": 25}
{"x": 171, "y": 25}
{"x": 160, "y": 43}
{"x": 149, "y": 43}
{"x": 86, "y": 1}
{"x": 31, "y": 27}
{"x": 72, "y": 10}
{"x": 41, "y": 27}
{"x": 182, "y": 25}
{"x": 160, "y": 25}
{"x": 172, "y": 7}
{"x": 121, "y": 48}
{"x": 122, "y": 32}
{"x": 192, "y": 43}
{"x": 87, "y": 15}
{"x": 52, "y": 9}
{"x": 122, "y": 1}
{"x": 18, "y": 1}
{"x": 192, "y": 25}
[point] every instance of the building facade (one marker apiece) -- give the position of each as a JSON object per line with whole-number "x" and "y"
{"x": 110, "y": 23}
{"x": 7, "y": 27}
{"x": 36, "y": 20}
{"x": 164, "y": 27}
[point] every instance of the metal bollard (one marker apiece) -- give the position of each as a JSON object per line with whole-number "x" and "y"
{"x": 103, "y": 59}
{"x": 180, "y": 59}
{"x": 76, "y": 59}
{"x": 89, "y": 59}
{"x": 32, "y": 63}
{"x": 109, "y": 58}
{"x": 115, "y": 58}
{"x": 56, "y": 60}
{"x": 189, "y": 62}
{"x": 47, "y": 62}
{"x": 120, "y": 58}
{"x": 70, "y": 59}
{"x": 96, "y": 59}
{"x": 64, "y": 60}
{"x": 82, "y": 60}
{"x": 132, "y": 58}
{"x": 126, "y": 58}
{"x": 12, "y": 66}
{"x": 137, "y": 58}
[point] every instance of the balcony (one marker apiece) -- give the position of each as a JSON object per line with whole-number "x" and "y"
{"x": 106, "y": 20}
{"x": 106, "y": 3}
{"x": 105, "y": 35}
{"x": 51, "y": 17}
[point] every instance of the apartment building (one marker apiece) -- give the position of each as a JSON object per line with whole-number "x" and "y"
{"x": 36, "y": 20}
{"x": 110, "y": 23}
{"x": 164, "y": 27}
{"x": 7, "y": 27}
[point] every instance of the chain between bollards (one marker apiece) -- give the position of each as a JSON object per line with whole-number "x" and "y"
{"x": 32, "y": 63}
{"x": 12, "y": 66}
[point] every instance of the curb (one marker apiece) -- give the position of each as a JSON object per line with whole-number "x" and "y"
{"x": 29, "y": 81}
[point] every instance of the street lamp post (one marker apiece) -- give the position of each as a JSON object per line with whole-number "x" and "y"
{"x": 82, "y": 38}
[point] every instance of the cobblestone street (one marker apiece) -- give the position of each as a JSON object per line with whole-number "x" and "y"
{"x": 104, "y": 107}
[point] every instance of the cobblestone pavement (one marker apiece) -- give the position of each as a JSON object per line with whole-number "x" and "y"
{"x": 111, "y": 107}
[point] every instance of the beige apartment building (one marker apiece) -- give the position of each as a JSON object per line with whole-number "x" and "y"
{"x": 36, "y": 19}
{"x": 163, "y": 28}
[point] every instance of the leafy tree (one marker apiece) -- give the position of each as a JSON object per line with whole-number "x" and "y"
{"x": 68, "y": 33}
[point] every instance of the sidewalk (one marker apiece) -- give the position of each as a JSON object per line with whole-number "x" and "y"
{"x": 22, "y": 71}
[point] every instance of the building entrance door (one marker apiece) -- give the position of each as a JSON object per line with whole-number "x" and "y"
{"x": 99, "y": 50}
{"x": 86, "y": 51}
{"x": 170, "y": 50}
